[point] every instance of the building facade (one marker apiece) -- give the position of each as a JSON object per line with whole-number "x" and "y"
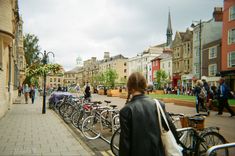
{"x": 90, "y": 70}
{"x": 228, "y": 43}
{"x": 118, "y": 63}
{"x": 211, "y": 62}
{"x": 203, "y": 33}
{"x": 74, "y": 77}
{"x": 182, "y": 59}
{"x": 140, "y": 62}
{"x": 9, "y": 20}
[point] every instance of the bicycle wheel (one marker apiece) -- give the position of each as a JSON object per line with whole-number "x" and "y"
{"x": 116, "y": 122}
{"x": 75, "y": 118}
{"x": 208, "y": 140}
{"x": 91, "y": 127}
{"x": 114, "y": 144}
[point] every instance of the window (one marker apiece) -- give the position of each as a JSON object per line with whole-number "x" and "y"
{"x": 231, "y": 59}
{"x": 212, "y": 69}
{"x": 232, "y": 13}
{"x": 231, "y": 36}
{"x": 212, "y": 52}
{"x": 58, "y": 79}
{"x": 125, "y": 64}
{"x": 124, "y": 70}
{"x": 50, "y": 79}
{"x": 54, "y": 79}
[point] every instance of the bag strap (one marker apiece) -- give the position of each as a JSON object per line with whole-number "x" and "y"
{"x": 161, "y": 113}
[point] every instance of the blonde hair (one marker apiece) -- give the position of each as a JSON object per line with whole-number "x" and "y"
{"x": 199, "y": 83}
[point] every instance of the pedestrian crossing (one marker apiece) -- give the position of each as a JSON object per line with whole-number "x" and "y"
{"x": 107, "y": 153}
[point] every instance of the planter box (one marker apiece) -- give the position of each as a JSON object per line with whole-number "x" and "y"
{"x": 158, "y": 91}
{"x": 113, "y": 93}
{"x": 123, "y": 95}
{"x": 192, "y": 104}
{"x": 101, "y": 92}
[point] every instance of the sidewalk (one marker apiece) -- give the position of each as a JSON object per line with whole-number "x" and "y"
{"x": 26, "y": 131}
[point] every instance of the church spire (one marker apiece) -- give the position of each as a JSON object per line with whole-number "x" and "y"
{"x": 169, "y": 30}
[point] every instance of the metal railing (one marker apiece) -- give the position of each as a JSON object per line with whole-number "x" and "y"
{"x": 211, "y": 151}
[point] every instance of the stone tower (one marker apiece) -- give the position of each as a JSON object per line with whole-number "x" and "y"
{"x": 169, "y": 31}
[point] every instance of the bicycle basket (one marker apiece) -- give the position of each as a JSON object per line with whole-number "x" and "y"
{"x": 197, "y": 122}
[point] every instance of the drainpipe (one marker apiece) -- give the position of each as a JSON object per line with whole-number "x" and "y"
{"x": 9, "y": 70}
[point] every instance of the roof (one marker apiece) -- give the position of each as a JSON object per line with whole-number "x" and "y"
{"x": 74, "y": 70}
{"x": 162, "y": 56}
{"x": 120, "y": 56}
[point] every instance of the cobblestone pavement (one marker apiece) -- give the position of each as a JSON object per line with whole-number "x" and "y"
{"x": 24, "y": 130}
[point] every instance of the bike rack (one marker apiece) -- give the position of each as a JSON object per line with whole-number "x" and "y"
{"x": 218, "y": 147}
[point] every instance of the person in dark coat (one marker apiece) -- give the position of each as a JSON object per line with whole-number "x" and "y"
{"x": 222, "y": 94}
{"x": 87, "y": 91}
{"x": 140, "y": 131}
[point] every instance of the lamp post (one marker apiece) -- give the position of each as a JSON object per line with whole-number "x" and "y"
{"x": 44, "y": 61}
{"x": 200, "y": 46}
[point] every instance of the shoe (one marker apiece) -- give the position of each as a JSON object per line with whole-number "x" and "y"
{"x": 232, "y": 115}
{"x": 219, "y": 114}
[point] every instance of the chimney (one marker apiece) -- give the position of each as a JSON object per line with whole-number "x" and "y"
{"x": 218, "y": 14}
{"x": 106, "y": 55}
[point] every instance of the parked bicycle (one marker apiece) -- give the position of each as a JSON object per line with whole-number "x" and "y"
{"x": 195, "y": 140}
{"x": 103, "y": 117}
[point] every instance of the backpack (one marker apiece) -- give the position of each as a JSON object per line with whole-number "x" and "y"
{"x": 202, "y": 93}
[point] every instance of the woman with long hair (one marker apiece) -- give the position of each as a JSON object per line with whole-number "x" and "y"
{"x": 140, "y": 132}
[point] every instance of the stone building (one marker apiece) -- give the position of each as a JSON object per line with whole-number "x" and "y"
{"x": 9, "y": 70}
{"x": 90, "y": 70}
{"x": 182, "y": 59}
{"x": 118, "y": 63}
{"x": 74, "y": 77}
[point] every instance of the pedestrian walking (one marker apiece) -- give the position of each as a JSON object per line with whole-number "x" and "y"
{"x": 32, "y": 93}
{"x": 26, "y": 91}
{"x": 19, "y": 90}
{"x": 140, "y": 131}
{"x": 59, "y": 89}
{"x": 87, "y": 91}
{"x": 222, "y": 94}
{"x": 200, "y": 94}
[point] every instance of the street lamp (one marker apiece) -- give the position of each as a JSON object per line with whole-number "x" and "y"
{"x": 200, "y": 45}
{"x": 45, "y": 56}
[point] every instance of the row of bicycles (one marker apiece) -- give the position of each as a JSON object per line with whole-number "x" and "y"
{"x": 193, "y": 137}
{"x": 94, "y": 119}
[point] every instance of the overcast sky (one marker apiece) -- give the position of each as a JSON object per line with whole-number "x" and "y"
{"x": 88, "y": 28}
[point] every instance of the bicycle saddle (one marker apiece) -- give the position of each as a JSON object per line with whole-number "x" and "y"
{"x": 107, "y": 101}
{"x": 113, "y": 106}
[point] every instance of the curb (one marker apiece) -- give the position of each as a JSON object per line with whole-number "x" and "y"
{"x": 74, "y": 133}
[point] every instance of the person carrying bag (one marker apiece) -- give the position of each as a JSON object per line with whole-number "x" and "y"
{"x": 171, "y": 147}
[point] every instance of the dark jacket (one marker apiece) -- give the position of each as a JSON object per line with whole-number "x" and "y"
{"x": 140, "y": 133}
{"x": 223, "y": 91}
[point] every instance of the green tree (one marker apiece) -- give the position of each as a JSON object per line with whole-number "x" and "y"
{"x": 107, "y": 78}
{"x": 110, "y": 77}
{"x": 35, "y": 67}
{"x": 31, "y": 49}
{"x": 100, "y": 79}
{"x": 161, "y": 79}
